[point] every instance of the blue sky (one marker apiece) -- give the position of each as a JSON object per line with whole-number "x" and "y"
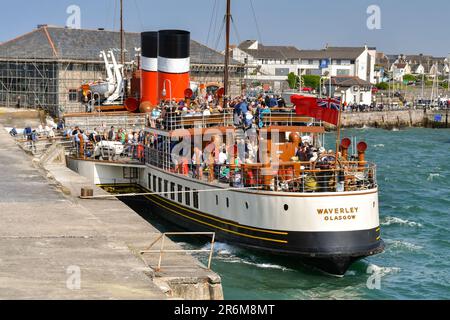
{"x": 407, "y": 26}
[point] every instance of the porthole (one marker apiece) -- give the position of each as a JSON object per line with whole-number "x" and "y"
{"x": 286, "y": 207}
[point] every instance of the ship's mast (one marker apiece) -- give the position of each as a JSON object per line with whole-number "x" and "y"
{"x": 227, "y": 53}
{"x": 122, "y": 36}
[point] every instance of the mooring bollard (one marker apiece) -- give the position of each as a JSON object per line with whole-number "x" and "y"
{"x": 87, "y": 192}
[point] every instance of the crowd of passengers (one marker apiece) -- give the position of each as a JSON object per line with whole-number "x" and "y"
{"x": 224, "y": 163}
{"x": 247, "y": 111}
{"x": 87, "y": 140}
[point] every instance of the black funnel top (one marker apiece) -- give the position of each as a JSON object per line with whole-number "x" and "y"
{"x": 174, "y": 44}
{"x": 149, "y": 44}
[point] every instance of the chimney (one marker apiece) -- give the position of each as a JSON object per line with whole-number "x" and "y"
{"x": 149, "y": 67}
{"x": 173, "y": 63}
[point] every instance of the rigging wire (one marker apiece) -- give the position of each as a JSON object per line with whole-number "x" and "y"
{"x": 235, "y": 30}
{"x": 139, "y": 14}
{"x": 256, "y": 21}
{"x": 216, "y": 19}
{"x": 205, "y": 49}
{"x": 211, "y": 22}
{"x": 115, "y": 15}
{"x": 219, "y": 37}
{"x": 107, "y": 12}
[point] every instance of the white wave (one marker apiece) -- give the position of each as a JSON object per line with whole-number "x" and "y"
{"x": 229, "y": 254}
{"x": 378, "y": 145}
{"x": 395, "y": 129}
{"x": 382, "y": 271}
{"x": 394, "y": 244}
{"x": 431, "y": 176}
{"x": 394, "y": 220}
{"x": 258, "y": 265}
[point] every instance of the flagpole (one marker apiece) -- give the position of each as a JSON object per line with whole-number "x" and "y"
{"x": 338, "y": 133}
{"x": 338, "y": 139}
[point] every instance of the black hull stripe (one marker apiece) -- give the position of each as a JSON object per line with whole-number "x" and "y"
{"x": 354, "y": 244}
{"x": 204, "y": 215}
{"x": 212, "y": 225}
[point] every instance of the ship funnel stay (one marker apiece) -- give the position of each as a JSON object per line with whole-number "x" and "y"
{"x": 173, "y": 64}
{"x": 149, "y": 66}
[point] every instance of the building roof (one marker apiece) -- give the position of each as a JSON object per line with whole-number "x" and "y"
{"x": 342, "y": 53}
{"x": 269, "y": 52}
{"x": 400, "y": 65}
{"x": 58, "y": 43}
{"x": 349, "y": 81}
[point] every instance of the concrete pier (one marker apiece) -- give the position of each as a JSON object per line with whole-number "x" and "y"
{"x": 394, "y": 119}
{"x": 54, "y": 245}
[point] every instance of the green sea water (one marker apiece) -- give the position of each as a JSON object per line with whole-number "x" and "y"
{"x": 414, "y": 180}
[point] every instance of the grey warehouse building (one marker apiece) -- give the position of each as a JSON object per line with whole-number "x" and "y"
{"x": 46, "y": 67}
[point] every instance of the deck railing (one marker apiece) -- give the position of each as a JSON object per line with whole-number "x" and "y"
{"x": 172, "y": 120}
{"x": 292, "y": 176}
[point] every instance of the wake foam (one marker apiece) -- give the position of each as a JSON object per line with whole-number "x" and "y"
{"x": 433, "y": 176}
{"x": 230, "y": 254}
{"x": 382, "y": 271}
{"x": 402, "y": 245}
{"x": 398, "y": 221}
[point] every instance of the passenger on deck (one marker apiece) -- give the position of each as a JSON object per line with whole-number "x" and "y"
{"x": 112, "y": 134}
{"x": 197, "y": 164}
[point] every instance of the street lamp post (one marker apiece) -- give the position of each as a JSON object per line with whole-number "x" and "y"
{"x": 164, "y": 91}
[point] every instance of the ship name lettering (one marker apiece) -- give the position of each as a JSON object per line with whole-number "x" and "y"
{"x": 338, "y": 210}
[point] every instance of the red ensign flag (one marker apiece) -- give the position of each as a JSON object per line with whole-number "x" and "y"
{"x": 322, "y": 109}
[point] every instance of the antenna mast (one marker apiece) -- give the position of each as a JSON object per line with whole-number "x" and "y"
{"x": 122, "y": 36}
{"x": 227, "y": 53}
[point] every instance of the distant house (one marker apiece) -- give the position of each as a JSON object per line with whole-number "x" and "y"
{"x": 340, "y": 61}
{"x": 399, "y": 69}
{"x": 352, "y": 89}
{"x": 418, "y": 64}
{"x": 418, "y": 69}
{"x": 270, "y": 64}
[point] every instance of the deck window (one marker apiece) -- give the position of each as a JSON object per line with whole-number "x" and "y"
{"x": 159, "y": 185}
{"x": 149, "y": 181}
{"x": 195, "y": 199}
{"x": 187, "y": 196}
{"x": 180, "y": 194}
{"x": 172, "y": 191}
{"x": 166, "y": 187}
{"x": 154, "y": 184}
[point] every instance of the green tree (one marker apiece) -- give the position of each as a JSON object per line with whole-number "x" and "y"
{"x": 409, "y": 78}
{"x": 383, "y": 86}
{"x": 311, "y": 81}
{"x": 293, "y": 80}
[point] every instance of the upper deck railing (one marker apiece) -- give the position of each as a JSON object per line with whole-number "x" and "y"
{"x": 170, "y": 118}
